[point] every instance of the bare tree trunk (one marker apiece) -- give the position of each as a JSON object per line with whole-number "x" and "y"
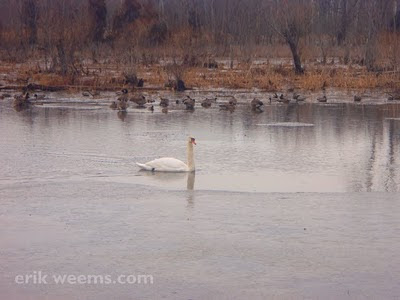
{"x": 97, "y": 11}
{"x": 29, "y": 20}
{"x": 296, "y": 57}
{"x": 341, "y": 36}
{"x": 370, "y": 52}
{"x": 346, "y": 58}
{"x": 62, "y": 59}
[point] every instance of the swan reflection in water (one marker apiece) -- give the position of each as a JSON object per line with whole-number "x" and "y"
{"x": 190, "y": 180}
{"x": 169, "y": 178}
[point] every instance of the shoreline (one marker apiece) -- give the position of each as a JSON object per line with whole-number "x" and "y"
{"x": 262, "y": 76}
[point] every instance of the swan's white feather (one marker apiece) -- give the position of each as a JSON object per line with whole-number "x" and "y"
{"x": 165, "y": 164}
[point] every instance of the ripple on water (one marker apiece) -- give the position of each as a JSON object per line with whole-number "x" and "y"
{"x": 287, "y": 124}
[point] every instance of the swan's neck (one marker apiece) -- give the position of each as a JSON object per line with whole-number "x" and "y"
{"x": 190, "y": 158}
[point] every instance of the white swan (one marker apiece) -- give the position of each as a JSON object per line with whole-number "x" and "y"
{"x": 169, "y": 164}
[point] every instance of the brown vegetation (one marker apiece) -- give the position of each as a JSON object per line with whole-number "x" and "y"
{"x": 202, "y": 43}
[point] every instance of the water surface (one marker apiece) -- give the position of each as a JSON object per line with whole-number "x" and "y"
{"x": 287, "y": 148}
{"x": 300, "y": 201}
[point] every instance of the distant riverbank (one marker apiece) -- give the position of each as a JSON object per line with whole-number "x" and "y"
{"x": 262, "y": 74}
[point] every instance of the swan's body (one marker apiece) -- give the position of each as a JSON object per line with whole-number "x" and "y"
{"x": 169, "y": 164}
{"x": 165, "y": 164}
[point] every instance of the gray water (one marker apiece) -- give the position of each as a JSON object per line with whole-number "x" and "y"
{"x": 299, "y": 201}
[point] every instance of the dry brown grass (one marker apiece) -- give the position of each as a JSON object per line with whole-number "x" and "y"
{"x": 243, "y": 76}
{"x": 272, "y": 78}
{"x": 50, "y": 79}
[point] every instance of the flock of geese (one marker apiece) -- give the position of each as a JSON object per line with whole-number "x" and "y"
{"x": 24, "y": 100}
{"x": 140, "y": 101}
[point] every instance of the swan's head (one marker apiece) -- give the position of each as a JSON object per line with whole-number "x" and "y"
{"x": 192, "y": 140}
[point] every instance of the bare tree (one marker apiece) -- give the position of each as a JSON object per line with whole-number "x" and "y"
{"x": 29, "y": 16}
{"x": 64, "y": 31}
{"x": 292, "y": 21}
{"x": 126, "y": 14}
{"x": 97, "y": 11}
{"x": 376, "y": 15}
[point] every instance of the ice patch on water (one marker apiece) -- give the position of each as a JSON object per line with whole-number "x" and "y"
{"x": 287, "y": 124}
